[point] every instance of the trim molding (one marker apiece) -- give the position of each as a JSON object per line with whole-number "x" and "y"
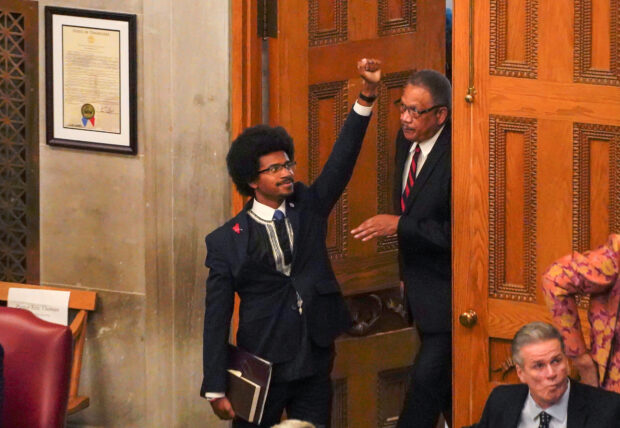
{"x": 498, "y": 288}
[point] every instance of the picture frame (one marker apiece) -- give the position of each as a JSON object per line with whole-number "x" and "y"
{"x": 91, "y": 80}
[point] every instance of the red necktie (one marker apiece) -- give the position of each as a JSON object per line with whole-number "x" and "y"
{"x": 410, "y": 179}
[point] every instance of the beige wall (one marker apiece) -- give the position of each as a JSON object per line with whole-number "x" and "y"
{"x": 132, "y": 227}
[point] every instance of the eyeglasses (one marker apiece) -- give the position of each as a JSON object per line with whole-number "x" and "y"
{"x": 277, "y": 167}
{"x": 413, "y": 111}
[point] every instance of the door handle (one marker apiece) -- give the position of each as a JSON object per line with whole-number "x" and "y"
{"x": 468, "y": 318}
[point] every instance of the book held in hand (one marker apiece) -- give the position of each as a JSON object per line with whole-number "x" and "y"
{"x": 243, "y": 395}
{"x": 248, "y": 384}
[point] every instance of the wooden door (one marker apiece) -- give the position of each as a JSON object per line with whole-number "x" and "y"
{"x": 313, "y": 83}
{"x": 536, "y": 166}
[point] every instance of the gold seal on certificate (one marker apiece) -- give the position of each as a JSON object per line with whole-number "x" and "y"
{"x": 88, "y": 114}
{"x": 88, "y": 111}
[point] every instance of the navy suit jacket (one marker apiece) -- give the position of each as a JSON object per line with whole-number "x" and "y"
{"x": 588, "y": 407}
{"x": 424, "y": 235}
{"x": 269, "y": 322}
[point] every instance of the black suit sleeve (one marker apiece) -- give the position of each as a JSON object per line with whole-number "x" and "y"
{"x": 494, "y": 408}
{"x": 338, "y": 169}
{"x": 218, "y": 313}
{"x": 486, "y": 413}
{"x": 503, "y": 407}
{"x": 425, "y": 233}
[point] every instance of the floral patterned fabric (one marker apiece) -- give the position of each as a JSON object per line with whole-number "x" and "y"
{"x": 594, "y": 273}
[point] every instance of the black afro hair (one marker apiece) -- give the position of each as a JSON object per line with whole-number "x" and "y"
{"x": 243, "y": 157}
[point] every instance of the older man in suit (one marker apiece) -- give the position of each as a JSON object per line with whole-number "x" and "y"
{"x": 274, "y": 256}
{"x": 547, "y": 398}
{"x": 422, "y": 224}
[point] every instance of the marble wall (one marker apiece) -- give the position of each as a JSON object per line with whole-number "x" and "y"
{"x": 132, "y": 227}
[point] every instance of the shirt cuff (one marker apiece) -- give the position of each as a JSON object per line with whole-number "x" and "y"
{"x": 212, "y": 396}
{"x": 362, "y": 110}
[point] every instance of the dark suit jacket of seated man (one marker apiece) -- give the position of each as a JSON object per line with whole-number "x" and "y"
{"x": 588, "y": 407}
{"x": 291, "y": 307}
{"x": 542, "y": 366}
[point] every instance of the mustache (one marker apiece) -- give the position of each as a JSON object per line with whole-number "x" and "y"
{"x": 285, "y": 180}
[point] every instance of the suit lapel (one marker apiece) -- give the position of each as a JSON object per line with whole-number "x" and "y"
{"x": 577, "y": 413}
{"x": 402, "y": 150}
{"x": 240, "y": 228}
{"x": 439, "y": 149}
{"x": 241, "y": 234}
{"x": 292, "y": 212}
{"x": 512, "y": 414}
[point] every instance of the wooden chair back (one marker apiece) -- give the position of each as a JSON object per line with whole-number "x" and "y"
{"x": 82, "y": 301}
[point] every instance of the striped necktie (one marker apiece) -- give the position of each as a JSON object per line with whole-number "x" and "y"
{"x": 410, "y": 179}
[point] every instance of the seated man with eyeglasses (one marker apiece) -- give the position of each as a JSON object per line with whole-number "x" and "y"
{"x": 274, "y": 256}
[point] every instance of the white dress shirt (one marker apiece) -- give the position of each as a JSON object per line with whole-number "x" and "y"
{"x": 531, "y": 411}
{"x": 362, "y": 110}
{"x": 266, "y": 212}
{"x": 425, "y": 148}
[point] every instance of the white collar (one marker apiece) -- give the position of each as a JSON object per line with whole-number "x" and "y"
{"x": 559, "y": 410}
{"x": 265, "y": 212}
{"x": 427, "y": 145}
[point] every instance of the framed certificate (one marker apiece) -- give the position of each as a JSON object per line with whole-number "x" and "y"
{"x": 91, "y": 84}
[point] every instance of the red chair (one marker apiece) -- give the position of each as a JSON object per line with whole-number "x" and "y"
{"x": 37, "y": 370}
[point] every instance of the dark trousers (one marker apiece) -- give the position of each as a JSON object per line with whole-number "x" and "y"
{"x": 430, "y": 390}
{"x": 308, "y": 399}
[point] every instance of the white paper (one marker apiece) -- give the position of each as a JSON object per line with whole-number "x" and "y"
{"x": 49, "y": 305}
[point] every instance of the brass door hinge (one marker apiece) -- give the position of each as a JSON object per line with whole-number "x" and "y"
{"x": 267, "y": 19}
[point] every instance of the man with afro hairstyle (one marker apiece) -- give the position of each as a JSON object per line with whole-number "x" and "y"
{"x": 273, "y": 255}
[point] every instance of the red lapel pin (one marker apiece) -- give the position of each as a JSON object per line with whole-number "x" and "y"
{"x": 236, "y": 228}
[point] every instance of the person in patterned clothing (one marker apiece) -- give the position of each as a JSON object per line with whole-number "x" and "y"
{"x": 594, "y": 273}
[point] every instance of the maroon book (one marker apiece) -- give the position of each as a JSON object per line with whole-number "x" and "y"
{"x": 248, "y": 383}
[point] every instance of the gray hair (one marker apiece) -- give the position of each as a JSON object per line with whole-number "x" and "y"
{"x": 437, "y": 85}
{"x": 293, "y": 423}
{"x": 533, "y": 332}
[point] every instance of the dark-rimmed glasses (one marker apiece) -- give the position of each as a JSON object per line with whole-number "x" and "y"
{"x": 413, "y": 111}
{"x": 277, "y": 167}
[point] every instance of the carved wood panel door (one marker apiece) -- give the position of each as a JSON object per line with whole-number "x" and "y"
{"x": 313, "y": 83}
{"x": 19, "y": 142}
{"x": 536, "y": 166}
